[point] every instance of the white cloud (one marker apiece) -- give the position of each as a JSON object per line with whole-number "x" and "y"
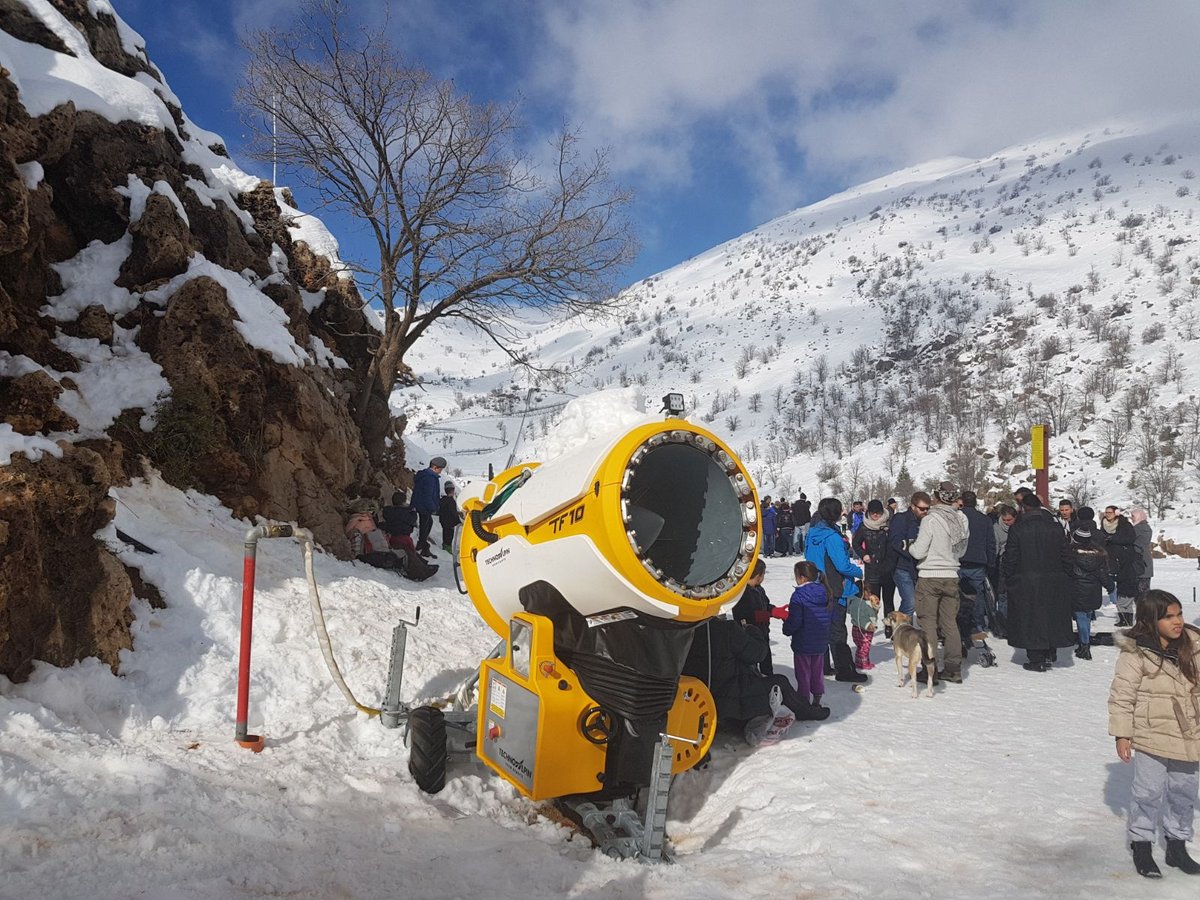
{"x": 850, "y": 89}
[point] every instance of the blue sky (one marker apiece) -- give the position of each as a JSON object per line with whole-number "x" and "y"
{"x": 722, "y": 114}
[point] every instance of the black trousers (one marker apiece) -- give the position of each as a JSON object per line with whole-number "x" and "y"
{"x": 426, "y": 526}
{"x": 843, "y": 659}
{"x": 886, "y": 590}
{"x": 765, "y": 665}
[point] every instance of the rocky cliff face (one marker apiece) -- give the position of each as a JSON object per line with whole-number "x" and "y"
{"x": 154, "y": 306}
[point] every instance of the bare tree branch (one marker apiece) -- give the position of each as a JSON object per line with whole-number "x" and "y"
{"x": 465, "y": 224}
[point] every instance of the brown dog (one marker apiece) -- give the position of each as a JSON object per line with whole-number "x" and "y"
{"x": 911, "y": 642}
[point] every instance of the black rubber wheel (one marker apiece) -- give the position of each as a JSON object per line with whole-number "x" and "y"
{"x": 427, "y": 748}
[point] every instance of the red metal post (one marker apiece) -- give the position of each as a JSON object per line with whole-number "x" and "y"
{"x": 243, "y": 686}
{"x": 249, "y": 741}
{"x": 270, "y": 530}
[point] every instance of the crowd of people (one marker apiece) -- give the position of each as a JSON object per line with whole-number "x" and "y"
{"x": 1021, "y": 572}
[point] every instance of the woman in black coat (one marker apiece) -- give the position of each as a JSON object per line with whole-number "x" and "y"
{"x": 1088, "y": 565}
{"x": 871, "y": 543}
{"x": 1039, "y": 585}
{"x": 1124, "y": 561}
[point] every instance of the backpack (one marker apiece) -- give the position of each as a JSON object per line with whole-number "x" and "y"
{"x": 415, "y": 567}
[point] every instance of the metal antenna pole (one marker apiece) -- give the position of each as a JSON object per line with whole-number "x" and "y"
{"x": 521, "y": 427}
{"x": 274, "y": 172}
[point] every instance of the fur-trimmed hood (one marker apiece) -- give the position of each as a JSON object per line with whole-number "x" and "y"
{"x": 1127, "y": 644}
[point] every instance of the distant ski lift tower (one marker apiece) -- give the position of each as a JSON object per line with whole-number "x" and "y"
{"x": 1039, "y": 451}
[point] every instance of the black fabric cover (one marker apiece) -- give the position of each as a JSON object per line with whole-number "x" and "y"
{"x": 630, "y": 667}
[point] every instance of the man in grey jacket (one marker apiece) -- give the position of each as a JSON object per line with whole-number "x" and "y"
{"x": 1143, "y": 537}
{"x": 940, "y": 543}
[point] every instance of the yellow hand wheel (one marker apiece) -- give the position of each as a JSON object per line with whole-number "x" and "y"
{"x": 693, "y": 713}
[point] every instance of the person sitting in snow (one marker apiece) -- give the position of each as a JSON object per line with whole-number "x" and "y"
{"x": 725, "y": 655}
{"x": 399, "y": 521}
{"x": 371, "y": 545}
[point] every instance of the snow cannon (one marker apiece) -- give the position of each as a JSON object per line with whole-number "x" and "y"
{"x": 595, "y": 568}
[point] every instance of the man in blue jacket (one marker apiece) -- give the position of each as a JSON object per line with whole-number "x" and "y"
{"x": 904, "y": 530}
{"x": 768, "y": 526}
{"x": 425, "y": 496}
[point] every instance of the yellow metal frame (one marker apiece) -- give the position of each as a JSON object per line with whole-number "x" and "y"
{"x": 565, "y": 761}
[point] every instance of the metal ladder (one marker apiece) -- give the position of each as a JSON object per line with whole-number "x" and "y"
{"x": 616, "y": 827}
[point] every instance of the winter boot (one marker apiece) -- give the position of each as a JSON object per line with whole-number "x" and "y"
{"x": 1177, "y": 856}
{"x": 862, "y": 649}
{"x": 843, "y": 665}
{"x": 1143, "y": 860}
{"x": 814, "y": 711}
{"x": 1083, "y": 651}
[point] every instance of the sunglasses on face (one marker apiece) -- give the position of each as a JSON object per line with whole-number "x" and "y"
{"x": 921, "y": 508}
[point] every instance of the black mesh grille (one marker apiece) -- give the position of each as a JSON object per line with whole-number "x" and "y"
{"x": 622, "y": 690}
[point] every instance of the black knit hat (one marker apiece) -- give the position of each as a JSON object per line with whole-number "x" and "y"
{"x": 1085, "y": 514}
{"x": 875, "y": 506}
{"x": 1082, "y": 535}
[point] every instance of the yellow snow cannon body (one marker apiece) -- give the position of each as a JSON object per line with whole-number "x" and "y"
{"x": 596, "y": 568}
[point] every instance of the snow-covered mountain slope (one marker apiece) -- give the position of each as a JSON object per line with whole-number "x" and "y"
{"x": 918, "y": 322}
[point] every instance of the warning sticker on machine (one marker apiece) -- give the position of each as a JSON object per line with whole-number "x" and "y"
{"x": 498, "y": 697}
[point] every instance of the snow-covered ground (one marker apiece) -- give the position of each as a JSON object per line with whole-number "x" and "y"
{"x": 132, "y": 786}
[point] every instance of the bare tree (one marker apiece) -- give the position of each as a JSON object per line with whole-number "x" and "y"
{"x": 466, "y": 224}
{"x": 965, "y": 464}
{"x": 1113, "y": 437}
{"x": 1157, "y": 485}
{"x": 828, "y": 471}
{"x": 856, "y": 477}
{"x": 1060, "y": 404}
{"x": 1082, "y": 490}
